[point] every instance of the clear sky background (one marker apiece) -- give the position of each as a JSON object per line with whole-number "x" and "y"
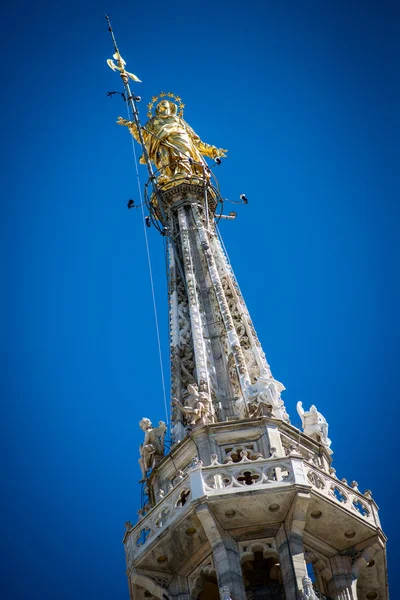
{"x": 305, "y": 96}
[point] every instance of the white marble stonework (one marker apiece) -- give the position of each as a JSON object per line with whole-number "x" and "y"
{"x": 243, "y": 504}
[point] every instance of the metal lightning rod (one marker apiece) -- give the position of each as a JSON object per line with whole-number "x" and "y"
{"x": 132, "y": 100}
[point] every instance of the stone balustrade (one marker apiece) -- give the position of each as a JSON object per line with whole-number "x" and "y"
{"x": 169, "y": 508}
{"x": 201, "y": 482}
{"x": 224, "y": 478}
{"x": 334, "y": 489}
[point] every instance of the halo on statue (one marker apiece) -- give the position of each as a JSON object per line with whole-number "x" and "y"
{"x": 168, "y": 96}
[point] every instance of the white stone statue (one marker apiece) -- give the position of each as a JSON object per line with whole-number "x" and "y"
{"x": 197, "y": 406}
{"x": 153, "y": 445}
{"x": 264, "y": 398}
{"x": 314, "y": 424}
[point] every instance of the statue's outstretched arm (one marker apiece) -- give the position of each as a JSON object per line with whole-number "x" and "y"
{"x": 208, "y": 150}
{"x": 203, "y": 148}
{"x": 131, "y": 126}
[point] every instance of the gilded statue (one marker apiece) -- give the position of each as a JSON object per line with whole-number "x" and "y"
{"x": 172, "y": 145}
{"x": 153, "y": 445}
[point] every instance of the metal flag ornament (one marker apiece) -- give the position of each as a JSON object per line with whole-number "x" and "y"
{"x": 121, "y": 67}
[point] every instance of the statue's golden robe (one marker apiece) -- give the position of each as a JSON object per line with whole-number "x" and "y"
{"x": 173, "y": 146}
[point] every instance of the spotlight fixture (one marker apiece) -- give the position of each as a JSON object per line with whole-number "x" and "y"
{"x": 131, "y": 204}
{"x": 243, "y": 198}
{"x": 218, "y": 160}
{"x": 148, "y": 222}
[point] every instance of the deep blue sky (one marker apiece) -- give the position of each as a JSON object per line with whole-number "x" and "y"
{"x": 305, "y": 96}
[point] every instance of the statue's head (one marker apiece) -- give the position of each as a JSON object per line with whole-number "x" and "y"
{"x": 192, "y": 388}
{"x": 144, "y": 424}
{"x": 165, "y": 107}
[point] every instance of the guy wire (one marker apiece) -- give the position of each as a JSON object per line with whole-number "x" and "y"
{"x": 151, "y": 276}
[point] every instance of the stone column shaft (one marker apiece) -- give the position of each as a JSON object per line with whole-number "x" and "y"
{"x": 343, "y": 585}
{"x": 226, "y": 556}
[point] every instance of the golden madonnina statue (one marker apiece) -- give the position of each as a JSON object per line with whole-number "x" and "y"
{"x": 172, "y": 145}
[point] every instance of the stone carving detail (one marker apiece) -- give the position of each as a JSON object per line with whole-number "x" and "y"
{"x": 360, "y": 507}
{"x": 193, "y": 301}
{"x": 205, "y": 570}
{"x": 214, "y": 459}
{"x": 184, "y": 190}
{"x": 153, "y": 445}
{"x": 233, "y": 376}
{"x": 314, "y": 424}
{"x": 225, "y": 593}
{"x": 264, "y": 399}
{"x": 234, "y": 310}
{"x": 338, "y": 493}
{"x": 186, "y": 352}
{"x": 239, "y": 322}
{"x": 195, "y": 462}
{"x": 252, "y": 366}
{"x": 222, "y": 302}
{"x": 241, "y": 453}
{"x": 330, "y": 487}
{"x": 193, "y": 311}
{"x": 258, "y": 473}
{"x": 225, "y": 268}
{"x": 266, "y": 545}
{"x": 319, "y": 563}
{"x": 315, "y": 480}
{"x": 196, "y": 407}
{"x": 163, "y": 581}
{"x": 308, "y": 590}
{"x": 167, "y": 510}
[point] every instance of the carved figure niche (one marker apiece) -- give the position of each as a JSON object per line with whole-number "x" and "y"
{"x": 263, "y": 578}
